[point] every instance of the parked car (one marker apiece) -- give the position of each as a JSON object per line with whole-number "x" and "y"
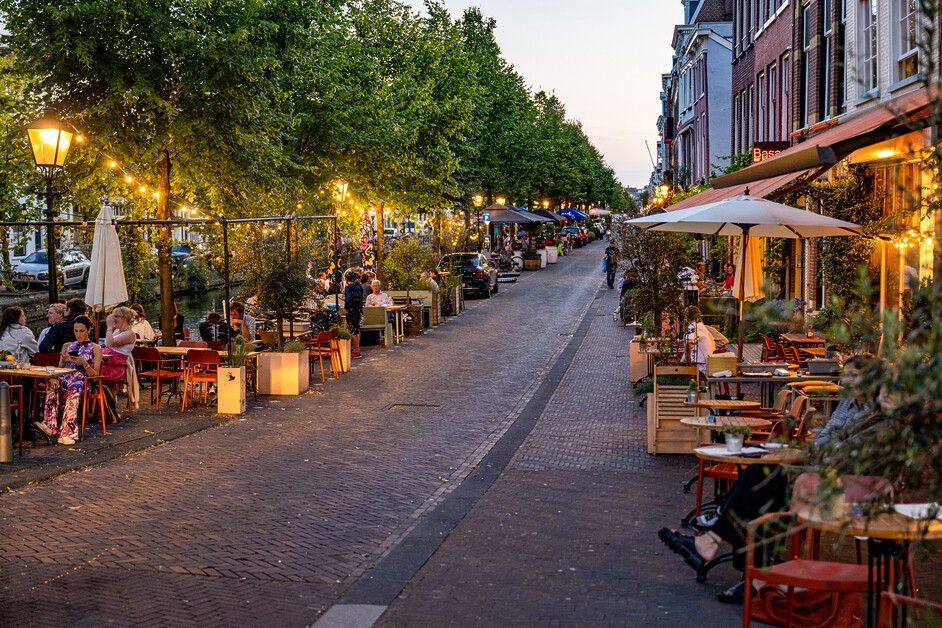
{"x": 72, "y": 265}
{"x": 577, "y": 235}
{"x": 179, "y": 253}
{"x": 477, "y": 272}
{"x": 390, "y": 233}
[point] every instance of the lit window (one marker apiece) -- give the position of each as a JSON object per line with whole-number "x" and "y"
{"x": 867, "y": 45}
{"x": 907, "y": 60}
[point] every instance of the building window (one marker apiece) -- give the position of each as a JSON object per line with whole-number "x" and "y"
{"x": 826, "y": 74}
{"x": 786, "y": 100}
{"x": 867, "y": 45}
{"x": 750, "y": 125}
{"x": 773, "y": 103}
{"x": 805, "y": 64}
{"x": 842, "y": 59}
{"x": 907, "y": 36}
{"x": 760, "y": 92}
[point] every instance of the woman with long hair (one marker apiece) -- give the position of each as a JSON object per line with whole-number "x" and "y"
{"x": 15, "y": 336}
{"x": 84, "y": 356}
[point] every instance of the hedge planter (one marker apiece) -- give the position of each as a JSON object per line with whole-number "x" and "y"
{"x": 542, "y": 253}
{"x": 230, "y": 398}
{"x": 531, "y": 264}
{"x": 283, "y": 373}
{"x": 413, "y": 320}
{"x": 552, "y": 254}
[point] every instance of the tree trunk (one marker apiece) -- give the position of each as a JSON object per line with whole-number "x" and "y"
{"x": 467, "y": 222}
{"x": 167, "y": 319}
{"x": 437, "y": 242}
{"x": 380, "y": 234}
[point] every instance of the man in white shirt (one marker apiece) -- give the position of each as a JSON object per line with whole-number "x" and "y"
{"x": 377, "y": 297}
{"x": 700, "y": 341}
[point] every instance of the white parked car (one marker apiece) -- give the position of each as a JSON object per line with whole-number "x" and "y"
{"x": 73, "y": 265}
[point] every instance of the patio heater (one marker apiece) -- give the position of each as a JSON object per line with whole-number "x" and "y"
{"x": 49, "y": 140}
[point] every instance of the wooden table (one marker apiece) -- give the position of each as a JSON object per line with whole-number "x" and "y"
{"x": 182, "y": 351}
{"x": 36, "y": 372}
{"x": 784, "y": 455}
{"x": 725, "y": 404}
{"x": 803, "y": 340}
{"x": 719, "y": 422}
{"x": 769, "y": 383}
{"x": 397, "y": 311}
{"x": 888, "y": 536}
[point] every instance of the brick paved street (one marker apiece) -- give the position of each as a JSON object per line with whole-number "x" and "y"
{"x": 491, "y": 472}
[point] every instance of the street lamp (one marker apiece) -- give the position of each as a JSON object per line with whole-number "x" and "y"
{"x": 500, "y": 200}
{"x": 478, "y": 201}
{"x": 545, "y": 204}
{"x": 49, "y": 140}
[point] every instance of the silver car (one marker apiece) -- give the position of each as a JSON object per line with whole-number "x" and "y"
{"x": 73, "y": 266}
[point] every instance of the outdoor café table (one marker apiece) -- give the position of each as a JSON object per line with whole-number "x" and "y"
{"x": 888, "y": 536}
{"x": 769, "y": 383}
{"x": 719, "y": 422}
{"x": 724, "y": 404}
{"x": 718, "y": 453}
{"x": 397, "y": 315}
{"x": 802, "y": 340}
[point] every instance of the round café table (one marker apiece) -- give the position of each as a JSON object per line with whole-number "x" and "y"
{"x": 724, "y": 404}
{"x": 888, "y": 536}
{"x": 719, "y": 422}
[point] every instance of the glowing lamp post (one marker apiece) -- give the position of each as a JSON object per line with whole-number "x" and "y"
{"x": 478, "y": 201}
{"x": 49, "y": 140}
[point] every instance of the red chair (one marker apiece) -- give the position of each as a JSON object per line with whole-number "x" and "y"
{"x": 324, "y": 346}
{"x": 216, "y": 345}
{"x": 39, "y": 385}
{"x": 803, "y": 570}
{"x": 193, "y": 344}
{"x": 767, "y": 349}
{"x": 153, "y": 366}
{"x": 93, "y": 393}
{"x": 199, "y": 368}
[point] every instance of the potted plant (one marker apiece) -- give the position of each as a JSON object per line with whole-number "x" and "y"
{"x": 693, "y": 391}
{"x": 344, "y": 341}
{"x": 285, "y": 372}
{"x": 735, "y": 435}
{"x": 552, "y": 253}
{"x": 531, "y": 260}
{"x": 230, "y": 397}
{"x": 403, "y": 269}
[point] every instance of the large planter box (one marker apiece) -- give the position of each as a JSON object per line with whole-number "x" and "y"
{"x": 283, "y": 373}
{"x": 413, "y": 320}
{"x": 552, "y": 254}
{"x": 531, "y": 264}
{"x": 230, "y": 398}
{"x": 542, "y": 253}
{"x": 346, "y": 348}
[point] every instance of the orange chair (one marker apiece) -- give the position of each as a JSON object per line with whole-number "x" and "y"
{"x": 153, "y": 366}
{"x": 96, "y": 397}
{"x": 889, "y": 602}
{"x": 803, "y": 570}
{"x": 324, "y": 346}
{"x": 199, "y": 367}
{"x": 193, "y": 344}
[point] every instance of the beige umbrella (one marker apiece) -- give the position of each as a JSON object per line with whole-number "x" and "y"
{"x": 106, "y": 284}
{"x": 747, "y": 216}
{"x": 750, "y": 270}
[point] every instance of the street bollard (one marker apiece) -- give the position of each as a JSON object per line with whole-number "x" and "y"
{"x": 6, "y": 424}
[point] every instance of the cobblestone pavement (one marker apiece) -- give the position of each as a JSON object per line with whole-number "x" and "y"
{"x": 275, "y": 515}
{"x": 568, "y": 534}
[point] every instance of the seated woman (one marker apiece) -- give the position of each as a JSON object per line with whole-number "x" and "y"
{"x": 84, "y": 356}
{"x": 16, "y": 337}
{"x": 119, "y": 343}
{"x": 214, "y": 329}
{"x": 730, "y": 277}
{"x": 141, "y": 327}
{"x": 763, "y": 488}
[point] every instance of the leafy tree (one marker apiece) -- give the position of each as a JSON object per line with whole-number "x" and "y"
{"x": 405, "y": 264}
{"x": 184, "y": 96}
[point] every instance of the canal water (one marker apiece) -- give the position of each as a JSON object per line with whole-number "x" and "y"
{"x": 193, "y": 307}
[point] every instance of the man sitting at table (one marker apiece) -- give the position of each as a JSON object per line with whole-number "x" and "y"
{"x": 700, "y": 341}
{"x": 62, "y": 332}
{"x": 763, "y": 488}
{"x": 377, "y": 297}
{"x": 213, "y": 329}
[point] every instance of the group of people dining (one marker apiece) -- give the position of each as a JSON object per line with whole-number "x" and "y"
{"x": 70, "y": 334}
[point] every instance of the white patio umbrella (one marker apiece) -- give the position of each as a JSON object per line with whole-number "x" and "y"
{"x": 747, "y": 216}
{"x": 106, "y": 284}
{"x": 596, "y": 211}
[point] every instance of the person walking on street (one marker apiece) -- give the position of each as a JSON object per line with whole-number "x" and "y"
{"x": 610, "y": 263}
{"x": 353, "y": 304}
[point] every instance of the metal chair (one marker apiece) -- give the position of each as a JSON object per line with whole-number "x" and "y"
{"x": 151, "y": 366}
{"x": 324, "y": 346}
{"x": 199, "y": 367}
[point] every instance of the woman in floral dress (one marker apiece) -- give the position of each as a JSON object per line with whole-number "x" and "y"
{"x": 85, "y": 357}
